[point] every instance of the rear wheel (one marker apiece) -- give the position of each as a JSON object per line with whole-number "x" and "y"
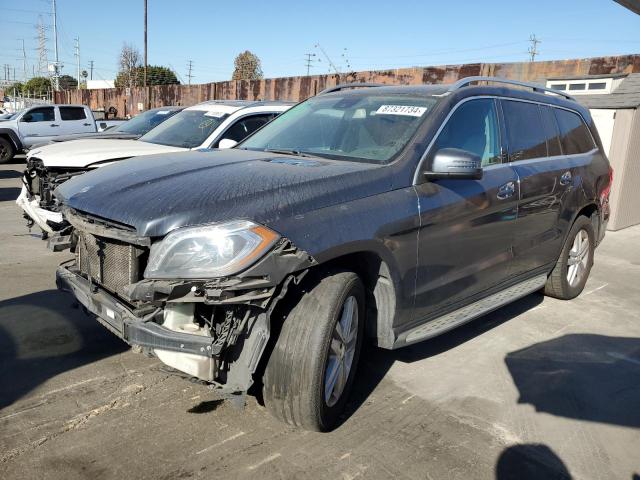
{"x": 7, "y": 151}
{"x": 311, "y": 369}
{"x": 570, "y": 274}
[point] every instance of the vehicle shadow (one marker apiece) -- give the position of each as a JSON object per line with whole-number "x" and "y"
{"x": 5, "y": 174}
{"x": 376, "y": 362}
{"x": 41, "y": 337}
{"x": 530, "y": 462}
{"x": 9, "y": 193}
{"x": 581, "y": 376}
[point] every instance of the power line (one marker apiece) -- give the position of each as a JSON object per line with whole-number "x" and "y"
{"x": 331, "y": 64}
{"x": 533, "y": 49}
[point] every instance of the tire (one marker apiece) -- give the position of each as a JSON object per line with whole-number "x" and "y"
{"x": 295, "y": 376}
{"x": 7, "y": 151}
{"x": 566, "y": 283}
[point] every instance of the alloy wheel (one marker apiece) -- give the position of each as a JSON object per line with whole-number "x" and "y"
{"x": 341, "y": 352}
{"x": 578, "y": 258}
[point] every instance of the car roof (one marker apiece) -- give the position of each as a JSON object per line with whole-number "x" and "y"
{"x": 170, "y": 108}
{"x": 444, "y": 91}
{"x": 231, "y": 106}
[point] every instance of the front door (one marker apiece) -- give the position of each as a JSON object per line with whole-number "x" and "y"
{"x": 38, "y": 125}
{"x": 466, "y": 226}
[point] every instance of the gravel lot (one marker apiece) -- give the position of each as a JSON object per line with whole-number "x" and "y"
{"x": 539, "y": 388}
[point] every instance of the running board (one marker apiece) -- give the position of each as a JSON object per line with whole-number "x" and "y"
{"x": 465, "y": 314}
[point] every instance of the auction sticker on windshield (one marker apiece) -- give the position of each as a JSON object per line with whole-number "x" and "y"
{"x": 408, "y": 110}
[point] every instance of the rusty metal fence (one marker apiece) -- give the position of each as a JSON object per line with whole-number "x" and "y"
{"x": 131, "y": 101}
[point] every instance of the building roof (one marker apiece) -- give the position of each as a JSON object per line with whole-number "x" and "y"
{"x": 627, "y": 95}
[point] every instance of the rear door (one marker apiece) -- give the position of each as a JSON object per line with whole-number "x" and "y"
{"x": 535, "y": 154}
{"x": 38, "y": 125}
{"x": 466, "y": 226}
{"x": 75, "y": 120}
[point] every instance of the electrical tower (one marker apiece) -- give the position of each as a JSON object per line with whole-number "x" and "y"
{"x": 533, "y": 49}
{"x": 77, "y": 55}
{"x": 189, "y": 74}
{"x": 308, "y": 61}
{"x": 43, "y": 63}
{"x": 24, "y": 62}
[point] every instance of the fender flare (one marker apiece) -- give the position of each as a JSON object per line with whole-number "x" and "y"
{"x": 13, "y": 136}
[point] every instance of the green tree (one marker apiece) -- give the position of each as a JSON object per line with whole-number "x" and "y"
{"x": 247, "y": 66}
{"x": 156, "y": 75}
{"x": 67, "y": 82}
{"x": 17, "y": 87}
{"x": 37, "y": 86}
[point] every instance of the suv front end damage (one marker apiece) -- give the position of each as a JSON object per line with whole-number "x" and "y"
{"x": 212, "y": 329}
{"x": 36, "y": 197}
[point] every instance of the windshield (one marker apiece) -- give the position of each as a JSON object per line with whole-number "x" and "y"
{"x": 188, "y": 129}
{"x": 141, "y": 124}
{"x": 371, "y": 128}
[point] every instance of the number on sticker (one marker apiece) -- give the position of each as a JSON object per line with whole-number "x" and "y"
{"x": 408, "y": 110}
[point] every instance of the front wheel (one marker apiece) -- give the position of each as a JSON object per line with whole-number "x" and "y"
{"x": 311, "y": 369}
{"x": 7, "y": 151}
{"x": 570, "y": 274}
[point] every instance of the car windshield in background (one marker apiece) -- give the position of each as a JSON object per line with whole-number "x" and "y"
{"x": 187, "y": 129}
{"x": 371, "y": 128}
{"x": 142, "y": 123}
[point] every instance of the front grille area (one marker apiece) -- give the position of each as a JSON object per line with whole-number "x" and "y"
{"x": 111, "y": 263}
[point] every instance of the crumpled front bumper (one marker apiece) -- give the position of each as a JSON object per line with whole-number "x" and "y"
{"x": 31, "y": 206}
{"x": 122, "y": 321}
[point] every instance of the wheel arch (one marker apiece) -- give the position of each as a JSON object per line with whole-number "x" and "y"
{"x": 10, "y": 135}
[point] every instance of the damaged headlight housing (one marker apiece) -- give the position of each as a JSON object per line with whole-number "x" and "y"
{"x": 209, "y": 251}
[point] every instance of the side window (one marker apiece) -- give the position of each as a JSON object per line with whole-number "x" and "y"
{"x": 574, "y": 134}
{"x": 246, "y": 126}
{"x": 525, "y": 133}
{"x": 473, "y": 127}
{"x": 43, "y": 114}
{"x": 72, "y": 113}
{"x": 550, "y": 131}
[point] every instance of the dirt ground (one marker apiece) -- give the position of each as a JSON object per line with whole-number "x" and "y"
{"x": 538, "y": 389}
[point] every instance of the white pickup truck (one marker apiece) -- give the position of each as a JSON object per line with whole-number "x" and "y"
{"x": 40, "y": 124}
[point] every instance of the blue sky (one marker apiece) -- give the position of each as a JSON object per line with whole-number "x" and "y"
{"x": 375, "y": 34}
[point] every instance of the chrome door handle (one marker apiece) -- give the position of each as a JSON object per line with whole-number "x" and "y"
{"x": 54, "y": 125}
{"x": 506, "y": 191}
{"x": 565, "y": 178}
{"x": 86, "y": 124}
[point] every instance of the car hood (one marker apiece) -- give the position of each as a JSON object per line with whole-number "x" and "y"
{"x": 101, "y": 135}
{"x": 159, "y": 193}
{"x": 85, "y": 153}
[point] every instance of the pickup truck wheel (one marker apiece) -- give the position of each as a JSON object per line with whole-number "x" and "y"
{"x": 6, "y": 150}
{"x": 570, "y": 274}
{"x": 311, "y": 369}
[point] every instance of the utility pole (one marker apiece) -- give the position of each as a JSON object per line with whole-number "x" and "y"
{"x": 533, "y": 49}
{"x": 90, "y": 69}
{"x": 145, "y": 56}
{"x": 56, "y": 65}
{"x": 308, "y": 61}
{"x": 190, "y": 67}
{"x": 77, "y": 55}
{"x": 43, "y": 63}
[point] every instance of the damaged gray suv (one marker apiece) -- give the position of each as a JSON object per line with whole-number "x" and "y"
{"x": 384, "y": 214}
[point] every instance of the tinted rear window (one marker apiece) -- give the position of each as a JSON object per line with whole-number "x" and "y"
{"x": 551, "y": 131}
{"x": 72, "y": 113}
{"x": 574, "y": 134}
{"x": 524, "y": 130}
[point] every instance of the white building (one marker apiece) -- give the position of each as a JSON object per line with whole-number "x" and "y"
{"x": 97, "y": 84}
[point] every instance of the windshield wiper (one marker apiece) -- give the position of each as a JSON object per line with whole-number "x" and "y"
{"x": 296, "y": 153}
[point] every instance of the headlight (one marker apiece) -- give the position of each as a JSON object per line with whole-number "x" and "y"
{"x": 209, "y": 251}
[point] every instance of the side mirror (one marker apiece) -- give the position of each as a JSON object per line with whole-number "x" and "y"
{"x": 227, "y": 143}
{"x": 455, "y": 163}
{"x": 27, "y": 117}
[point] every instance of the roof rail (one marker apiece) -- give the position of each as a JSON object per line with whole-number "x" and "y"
{"x": 536, "y": 88}
{"x": 345, "y": 86}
